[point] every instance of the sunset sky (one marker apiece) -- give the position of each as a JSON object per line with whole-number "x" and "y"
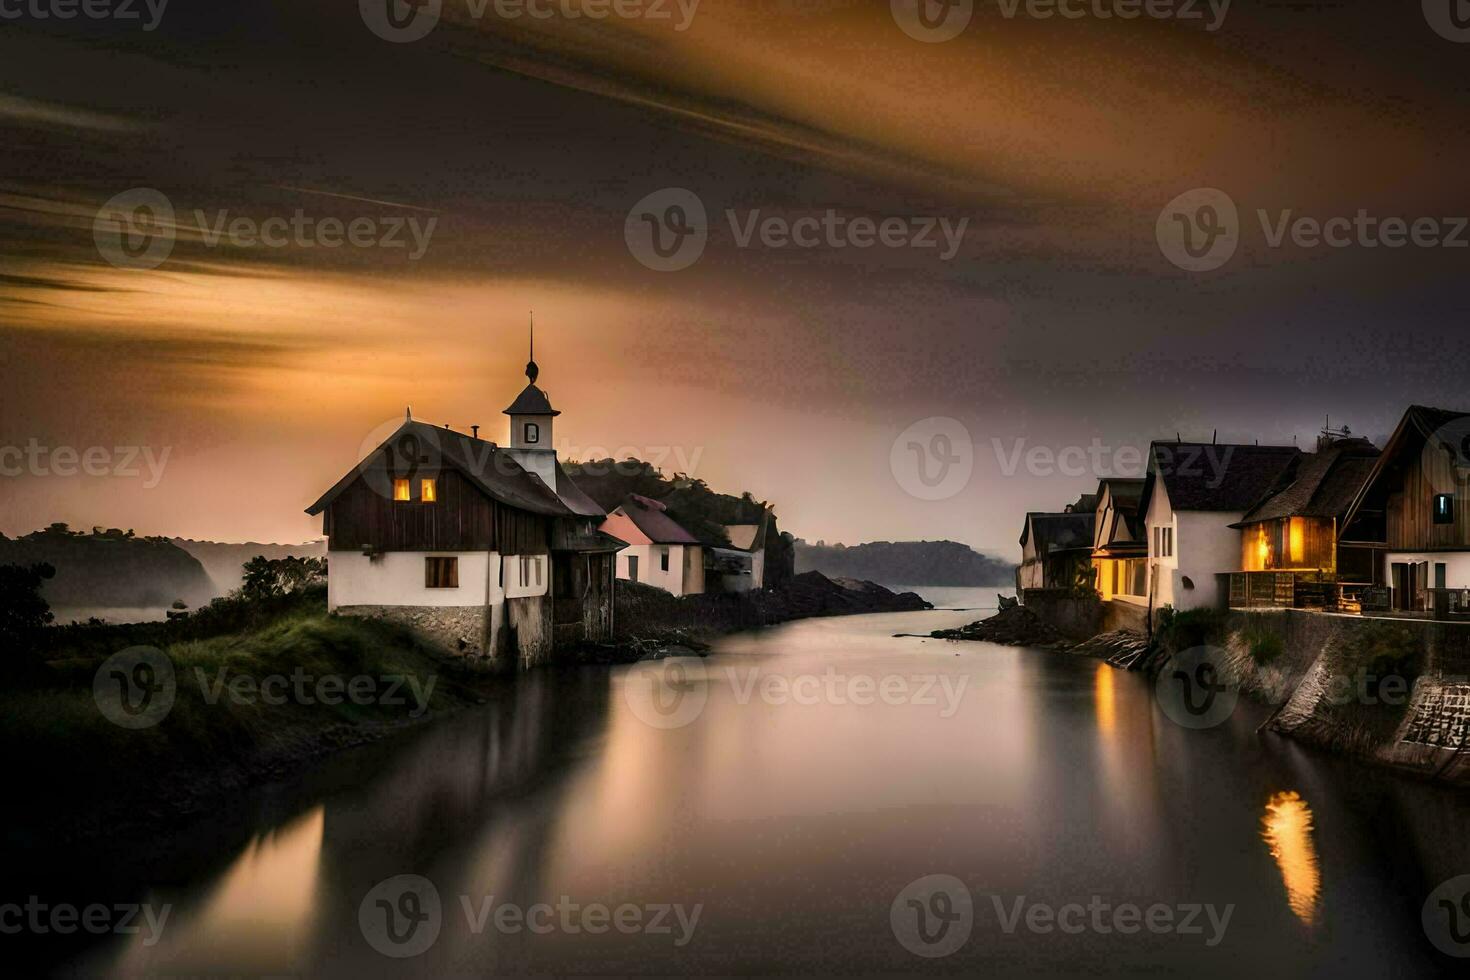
{"x": 783, "y": 370}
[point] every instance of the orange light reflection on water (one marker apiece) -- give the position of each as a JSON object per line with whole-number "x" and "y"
{"x": 1287, "y": 831}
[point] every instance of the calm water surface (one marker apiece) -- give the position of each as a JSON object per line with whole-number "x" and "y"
{"x": 794, "y": 821}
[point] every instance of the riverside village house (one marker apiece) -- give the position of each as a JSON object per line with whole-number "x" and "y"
{"x": 491, "y": 549}
{"x": 660, "y": 551}
{"x": 1346, "y": 529}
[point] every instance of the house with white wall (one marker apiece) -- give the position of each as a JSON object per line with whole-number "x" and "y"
{"x": 490, "y": 549}
{"x": 1413, "y": 512}
{"x": 1192, "y": 494}
{"x": 659, "y": 551}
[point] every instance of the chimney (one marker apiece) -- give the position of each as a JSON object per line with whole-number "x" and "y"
{"x": 475, "y": 431}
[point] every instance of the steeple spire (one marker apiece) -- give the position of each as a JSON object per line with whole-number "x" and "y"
{"x": 532, "y": 371}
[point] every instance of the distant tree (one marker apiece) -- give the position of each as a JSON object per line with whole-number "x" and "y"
{"x": 22, "y": 609}
{"x": 270, "y": 578}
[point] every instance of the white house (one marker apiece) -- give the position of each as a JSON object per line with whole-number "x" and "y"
{"x": 659, "y": 552}
{"x": 1192, "y": 494}
{"x": 491, "y": 549}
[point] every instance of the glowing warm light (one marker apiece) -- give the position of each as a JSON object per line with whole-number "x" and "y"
{"x": 400, "y": 490}
{"x": 1287, "y": 830}
{"x": 1103, "y": 699}
{"x": 1298, "y": 540}
{"x": 427, "y": 492}
{"x": 1263, "y": 548}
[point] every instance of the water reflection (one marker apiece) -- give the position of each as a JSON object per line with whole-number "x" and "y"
{"x": 265, "y": 903}
{"x": 796, "y": 824}
{"x": 1287, "y": 830}
{"x": 1103, "y": 697}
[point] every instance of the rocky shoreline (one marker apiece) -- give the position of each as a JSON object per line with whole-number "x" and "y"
{"x": 649, "y": 621}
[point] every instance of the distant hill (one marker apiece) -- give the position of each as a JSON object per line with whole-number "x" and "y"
{"x": 223, "y": 560}
{"x": 111, "y": 568}
{"x": 905, "y": 563}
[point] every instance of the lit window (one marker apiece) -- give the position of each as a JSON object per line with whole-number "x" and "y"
{"x": 427, "y": 491}
{"x": 533, "y": 432}
{"x": 400, "y": 490}
{"x": 1444, "y": 508}
{"x": 441, "y": 573}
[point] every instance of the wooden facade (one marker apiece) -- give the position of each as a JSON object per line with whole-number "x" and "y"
{"x": 1290, "y": 544}
{"x": 1409, "y": 514}
{"x": 462, "y": 518}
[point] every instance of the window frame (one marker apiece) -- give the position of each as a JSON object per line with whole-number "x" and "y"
{"x": 441, "y": 572}
{"x": 1448, "y": 516}
{"x": 531, "y": 432}
{"x": 402, "y": 490}
{"x": 663, "y": 559}
{"x": 428, "y": 490}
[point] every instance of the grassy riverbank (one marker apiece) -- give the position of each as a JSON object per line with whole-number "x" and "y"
{"x": 247, "y": 705}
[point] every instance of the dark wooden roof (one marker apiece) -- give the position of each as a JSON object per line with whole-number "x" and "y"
{"x": 491, "y": 469}
{"x": 531, "y": 401}
{"x": 575, "y": 500}
{"x": 1321, "y": 484}
{"x": 1211, "y": 477}
{"x": 1060, "y": 532}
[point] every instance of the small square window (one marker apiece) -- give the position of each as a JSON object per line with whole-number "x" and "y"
{"x": 1444, "y": 508}
{"x": 428, "y": 492}
{"x": 441, "y": 573}
{"x": 400, "y": 490}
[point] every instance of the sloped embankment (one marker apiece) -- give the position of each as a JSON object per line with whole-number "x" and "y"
{"x": 1394, "y": 692}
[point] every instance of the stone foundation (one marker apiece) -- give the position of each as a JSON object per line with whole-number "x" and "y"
{"x": 460, "y": 629}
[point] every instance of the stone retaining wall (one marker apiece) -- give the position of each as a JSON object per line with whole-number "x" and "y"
{"x": 1393, "y": 691}
{"x": 460, "y": 629}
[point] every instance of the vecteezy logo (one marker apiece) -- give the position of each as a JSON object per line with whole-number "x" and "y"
{"x": 933, "y": 21}
{"x": 1450, "y": 19}
{"x": 406, "y": 459}
{"x": 932, "y": 916}
{"x": 933, "y": 458}
{"x": 135, "y": 688}
{"x": 400, "y": 21}
{"x": 1199, "y": 230}
{"x": 1191, "y": 689}
{"x": 135, "y": 229}
{"x": 667, "y": 693}
{"x": 667, "y": 230}
{"x": 401, "y": 917}
{"x": 1446, "y": 917}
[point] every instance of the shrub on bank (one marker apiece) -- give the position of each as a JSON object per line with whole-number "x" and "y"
{"x": 1180, "y": 630}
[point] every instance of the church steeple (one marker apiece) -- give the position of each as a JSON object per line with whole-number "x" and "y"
{"x": 531, "y": 413}
{"x": 532, "y": 371}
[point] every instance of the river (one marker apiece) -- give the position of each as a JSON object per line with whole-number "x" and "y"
{"x": 765, "y": 811}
